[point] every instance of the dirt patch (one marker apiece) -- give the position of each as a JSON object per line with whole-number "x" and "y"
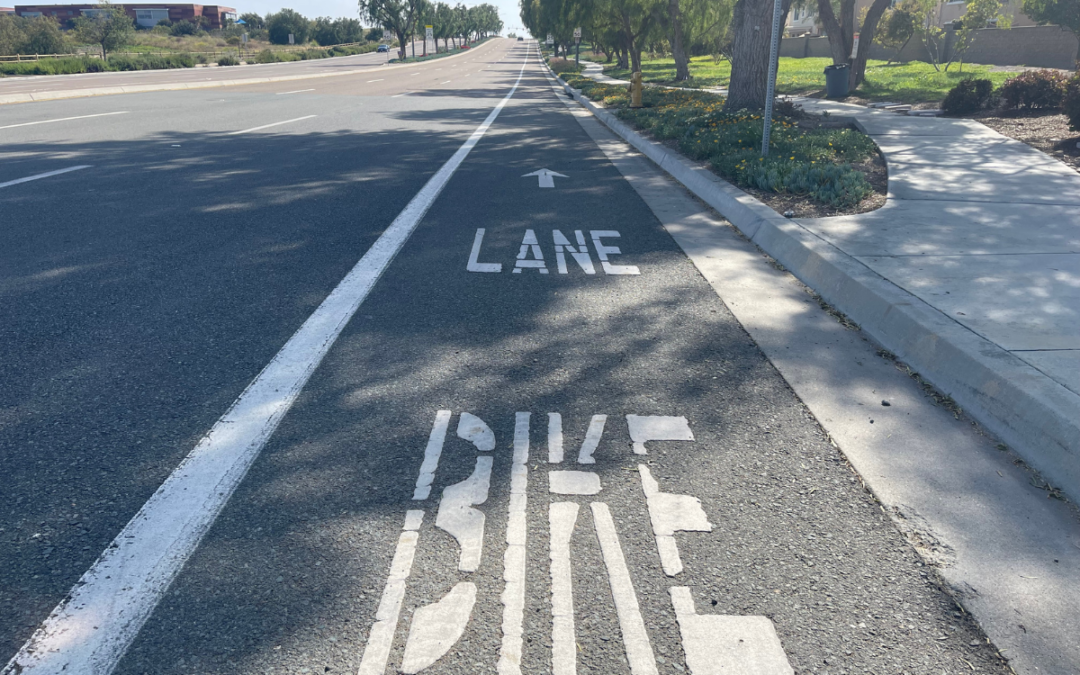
{"x": 1044, "y": 130}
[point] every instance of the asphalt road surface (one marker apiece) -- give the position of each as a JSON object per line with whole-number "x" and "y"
{"x": 471, "y": 424}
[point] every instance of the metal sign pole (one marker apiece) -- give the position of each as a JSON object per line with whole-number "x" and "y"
{"x": 770, "y": 90}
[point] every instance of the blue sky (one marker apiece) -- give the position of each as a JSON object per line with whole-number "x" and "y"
{"x": 508, "y": 9}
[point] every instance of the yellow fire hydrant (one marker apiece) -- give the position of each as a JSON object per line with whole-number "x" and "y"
{"x": 635, "y": 90}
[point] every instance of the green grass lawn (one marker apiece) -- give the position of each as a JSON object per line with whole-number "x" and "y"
{"x": 902, "y": 82}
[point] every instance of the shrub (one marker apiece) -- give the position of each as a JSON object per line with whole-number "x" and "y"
{"x": 1071, "y": 105}
{"x": 309, "y": 54}
{"x": 560, "y": 66}
{"x": 183, "y": 27}
{"x": 1034, "y": 89}
{"x": 151, "y": 62}
{"x": 967, "y": 96}
{"x": 228, "y": 60}
{"x": 232, "y": 40}
{"x": 269, "y": 56}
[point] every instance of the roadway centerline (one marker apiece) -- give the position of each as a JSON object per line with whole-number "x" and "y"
{"x": 43, "y": 175}
{"x": 379, "y": 80}
{"x": 64, "y": 119}
{"x": 91, "y": 629}
{"x": 267, "y": 126}
{"x": 298, "y": 91}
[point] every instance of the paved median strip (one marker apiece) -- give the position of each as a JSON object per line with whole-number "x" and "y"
{"x": 47, "y": 174}
{"x": 89, "y": 632}
{"x": 267, "y": 126}
{"x": 64, "y": 119}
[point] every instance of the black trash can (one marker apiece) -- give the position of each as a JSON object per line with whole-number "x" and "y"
{"x": 836, "y": 81}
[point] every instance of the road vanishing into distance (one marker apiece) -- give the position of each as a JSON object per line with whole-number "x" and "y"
{"x": 398, "y": 371}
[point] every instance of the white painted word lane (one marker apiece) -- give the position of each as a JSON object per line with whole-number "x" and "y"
{"x": 711, "y": 644}
{"x": 577, "y": 247}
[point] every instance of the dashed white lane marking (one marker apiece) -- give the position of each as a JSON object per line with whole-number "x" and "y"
{"x": 378, "y": 80}
{"x": 437, "y": 627}
{"x": 298, "y": 91}
{"x": 267, "y": 126}
{"x": 573, "y": 483}
{"x": 47, "y": 174}
{"x": 562, "y": 516}
{"x": 460, "y": 520}
{"x": 513, "y": 595}
{"x": 555, "y": 439}
{"x": 720, "y": 644}
{"x": 431, "y": 455}
{"x": 447, "y": 82}
{"x": 399, "y": 95}
{"x": 639, "y": 652}
{"x": 64, "y": 119}
{"x": 381, "y": 637}
{"x": 671, "y": 513}
{"x": 89, "y": 631}
{"x": 474, "y": 430}
{"x": 645, "y": 428}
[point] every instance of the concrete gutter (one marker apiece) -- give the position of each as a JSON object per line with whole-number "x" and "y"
{"x": 176, "y": 86}
{"x": 1038, "y": 417}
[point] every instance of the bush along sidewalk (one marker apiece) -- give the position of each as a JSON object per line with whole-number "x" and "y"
{"x": 815, "y": 163}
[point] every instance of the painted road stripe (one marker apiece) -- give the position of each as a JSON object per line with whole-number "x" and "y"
{"x": 447, "y": 82}
{"x": 513, "y": 595}
{"x": 65, "y": 119}
{"x": 298, "y": 91}
{"x": 639, "y": 651}
{"x": 89, "y": 632}
{"x": 267, "y": 126}
{"x": 43, "y": 175}
{"x": 379, "y": 80}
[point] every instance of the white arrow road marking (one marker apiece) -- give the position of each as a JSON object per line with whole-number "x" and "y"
{"x": 64, "y": 119}
{"x": 47, "y": 174}
{"x": 89, "y": 632}
{"x": 431, "y": 455}
{"x": 267, "y": 126}
{"x": 562, "y": 516}
{"x": 546, "y": 176}
{"x": 381, "y": 637}
{"x": 639, "y": 651}
{"x": 671, "y": 513}
{"x": 513, "y": 595}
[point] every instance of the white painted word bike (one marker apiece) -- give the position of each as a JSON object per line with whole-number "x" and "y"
{"x": 713, "y": 644}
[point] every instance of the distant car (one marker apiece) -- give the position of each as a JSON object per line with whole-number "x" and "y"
{"x": 521, "y": 39}
{"x": 383, "y": 48}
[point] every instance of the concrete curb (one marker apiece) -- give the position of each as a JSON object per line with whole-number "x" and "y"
{"x": 177, "y": 86}
{"x": 1036, "y": 416}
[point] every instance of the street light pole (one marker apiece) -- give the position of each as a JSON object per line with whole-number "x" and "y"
{"x": 770, "y": 90}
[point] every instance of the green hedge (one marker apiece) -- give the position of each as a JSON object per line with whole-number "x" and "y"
{"x": 811, "y": 162}
{"x": 87, "y": 65}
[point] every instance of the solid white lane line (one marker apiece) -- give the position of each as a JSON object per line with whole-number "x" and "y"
{"x": 64, "y": 119}
{"x": 381, "y": 637}
{"x": 635, "y": 638}
{"x": 298, "y": 91}
{"x": 90, "y": 630}
{"x": 431, "y": 455}
{"x": 561, "y": 518}
{"x": 378, "y": 80}
{"x": 398, "y": 95}
{"x": 513, "y": 595}
{"x": 267, "y": 126}
{"x": 43, "y": 175}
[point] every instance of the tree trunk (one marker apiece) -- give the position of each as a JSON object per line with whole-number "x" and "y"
{"x": 839, "y": 34}
{"x": 401, "y": 45}
{"x": 866, "y": 38}
{"x": 751, "y": 26}
{"x": 678, "y": 52}
{"x": 896, "y": 57}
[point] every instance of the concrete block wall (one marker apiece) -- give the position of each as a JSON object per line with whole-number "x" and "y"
{"x": 1035, "y": 46}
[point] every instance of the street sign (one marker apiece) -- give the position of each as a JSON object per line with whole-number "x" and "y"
{"x": 577, "y": 34}
{"x": 386, "y": 36}
{"x": 855, "y": 46}
{"x": 428, "y": 32}
{"x": 550, "y": 40}
{"x": 292, "y": 40}
{"x": 244, "y": 37}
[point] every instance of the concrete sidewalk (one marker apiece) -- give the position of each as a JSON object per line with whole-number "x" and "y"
{"x": 970, "y": 273}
